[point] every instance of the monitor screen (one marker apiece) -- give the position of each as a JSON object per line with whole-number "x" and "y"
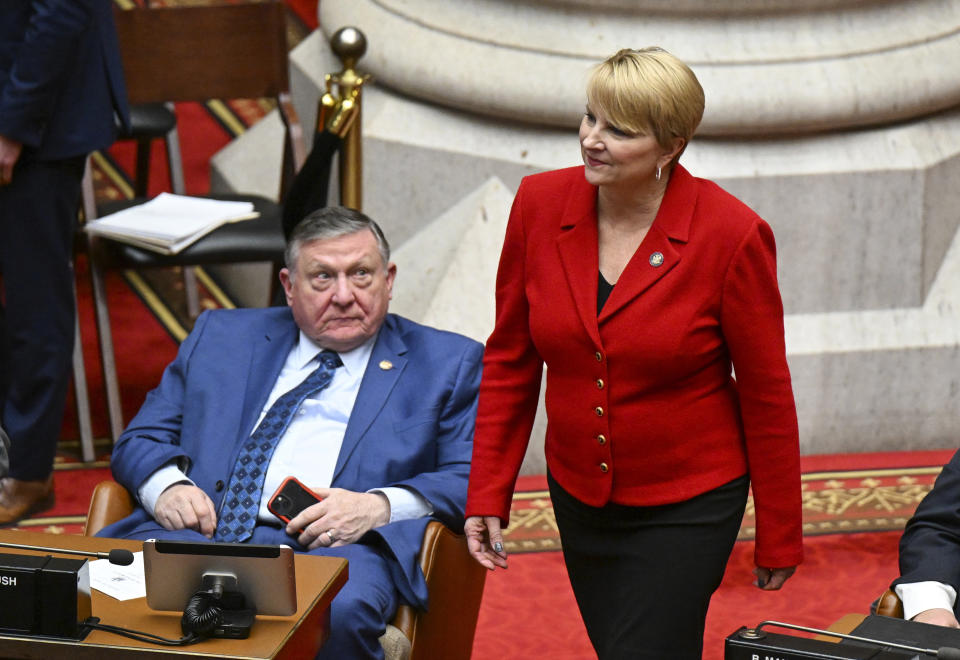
{"x": 174, "y": 572}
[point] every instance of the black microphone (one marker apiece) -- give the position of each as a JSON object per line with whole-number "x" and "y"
{"x": 116, "y": 556}
{"x": 944, "y": 652}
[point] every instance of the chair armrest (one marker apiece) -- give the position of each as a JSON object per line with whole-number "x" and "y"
{"x": 890, "y": 605}
{"x": 109, "y": 503}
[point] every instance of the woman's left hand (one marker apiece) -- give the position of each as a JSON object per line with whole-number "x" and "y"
{"x": 485, "y": 541}
{"x": 771, "y": 579}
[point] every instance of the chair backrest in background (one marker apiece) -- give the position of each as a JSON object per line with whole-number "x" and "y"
{"x": 202, "y": 52}
{"x": 195, "y": 53}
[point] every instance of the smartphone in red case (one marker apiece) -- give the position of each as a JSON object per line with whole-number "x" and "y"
{"x": 290, "y": 499}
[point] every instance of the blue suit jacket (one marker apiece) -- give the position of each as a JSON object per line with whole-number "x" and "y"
{"x": 412, "y": 424}
{"x": 61, "y": 77}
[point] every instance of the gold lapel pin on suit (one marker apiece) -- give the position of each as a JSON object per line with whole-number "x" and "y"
{"x": 386, "y": 365}
{"x": 656, "y": 259}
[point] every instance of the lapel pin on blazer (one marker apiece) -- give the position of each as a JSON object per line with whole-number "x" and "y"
{"x": 656, "y": 259}
{"x": 386, "y": 365}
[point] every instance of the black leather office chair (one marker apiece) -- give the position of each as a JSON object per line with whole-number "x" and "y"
{"x": 149, "y": 122}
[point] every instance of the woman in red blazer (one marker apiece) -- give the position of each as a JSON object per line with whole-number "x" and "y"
{"x": 641, "y": 288}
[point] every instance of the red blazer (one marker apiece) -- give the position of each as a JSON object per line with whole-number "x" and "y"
{"x": 642, "y": 407}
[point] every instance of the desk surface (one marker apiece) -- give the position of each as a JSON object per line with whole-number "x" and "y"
{"x": 282, "y": 638}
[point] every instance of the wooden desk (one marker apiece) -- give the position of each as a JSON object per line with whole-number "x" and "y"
{"x": 283, "y": 638}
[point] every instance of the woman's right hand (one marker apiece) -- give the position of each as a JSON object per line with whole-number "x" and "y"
{"x": 485, "y": 541}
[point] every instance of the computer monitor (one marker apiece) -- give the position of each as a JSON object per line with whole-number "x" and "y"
{"x": 265, "y": 575}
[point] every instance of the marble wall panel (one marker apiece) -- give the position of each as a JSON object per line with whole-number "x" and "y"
{"x": 941, "y": 215}
{"x": 840, "y": 237}
{"x": 890, "y": 400}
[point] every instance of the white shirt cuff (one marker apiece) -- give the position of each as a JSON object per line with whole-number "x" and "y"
{"x": 405, "y": 504}
{"x": 921, "y": 596}
{"x": 162, "y": 478}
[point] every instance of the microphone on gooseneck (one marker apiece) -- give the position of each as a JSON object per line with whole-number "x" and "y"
{"x": 942, "y": 653}
{"x": 116, "y": 556}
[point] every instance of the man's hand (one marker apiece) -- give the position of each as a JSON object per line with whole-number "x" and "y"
{"x": 485, "y": 541}
{"x": 9, "y": 154}
{"x": 938, "y": 617}
{"x": 184, "y": 506}
{"x": 341, "y": 518}
{"x": 771, "y": 579}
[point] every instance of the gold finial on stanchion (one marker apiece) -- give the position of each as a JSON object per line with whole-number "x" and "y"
{"x": 339, "y": 112}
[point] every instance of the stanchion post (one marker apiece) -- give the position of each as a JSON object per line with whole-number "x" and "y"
{"x": 340, "y": 112}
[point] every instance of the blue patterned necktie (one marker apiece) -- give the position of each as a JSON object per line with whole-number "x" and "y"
{"x": 239, "y": 513}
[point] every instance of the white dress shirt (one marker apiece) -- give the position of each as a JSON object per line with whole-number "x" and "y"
{"x": 921, "y": 596}
{"x": 311, "y": 444}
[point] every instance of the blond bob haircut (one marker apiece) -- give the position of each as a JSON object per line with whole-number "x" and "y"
{"x": 648, "y": 91}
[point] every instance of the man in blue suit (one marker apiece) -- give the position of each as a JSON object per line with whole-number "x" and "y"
{"x": 61, "y": 90}
{"x": 386, "y": 444}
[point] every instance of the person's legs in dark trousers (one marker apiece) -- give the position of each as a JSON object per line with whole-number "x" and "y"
{"x": 38, "y": 216}
{"x": 643, "y": 576}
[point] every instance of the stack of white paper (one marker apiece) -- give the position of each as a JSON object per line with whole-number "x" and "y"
{"x": 169, "y": 223}
{"x": 121, "y": 582}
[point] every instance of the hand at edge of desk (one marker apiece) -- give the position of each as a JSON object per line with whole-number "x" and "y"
{"x": 185, "y": 506}
{"x": 937, "y": 617}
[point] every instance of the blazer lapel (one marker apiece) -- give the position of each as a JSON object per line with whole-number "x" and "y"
{"x": 578, "y": 246}
{"x": 266, "y": 360}
{"x": 654, "y": 258}
{"x": 378, "y": 381}
{"x": 657, "y": 255}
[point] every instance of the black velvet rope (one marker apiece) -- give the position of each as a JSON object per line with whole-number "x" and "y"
{"x": 308, "y": 192}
